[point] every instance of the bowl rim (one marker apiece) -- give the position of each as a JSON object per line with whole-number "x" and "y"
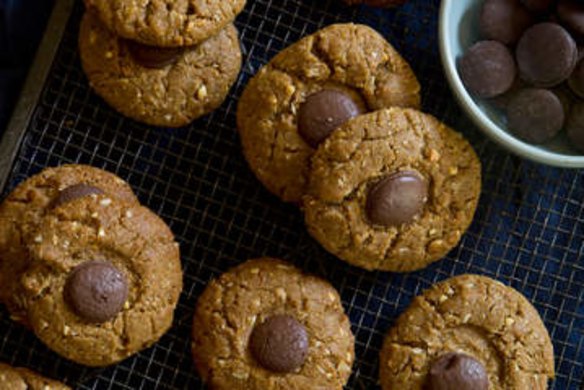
{"x": 464, "y": 99}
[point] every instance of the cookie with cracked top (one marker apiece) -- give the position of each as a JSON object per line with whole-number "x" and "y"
{"x": 166, "y": 23}
{"x": 17, "y": 378}
{"x": 104, "y": 280}
{"x": 392, "y": 190}
{"x": 308, "y": 90}
{"x": 266, "y": 325}
{"x": 23, "y": 209}
{"x": 167, "y": 87}
{"x": 468, "y": 332}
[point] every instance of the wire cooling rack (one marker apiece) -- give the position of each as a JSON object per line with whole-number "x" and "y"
{"x": 528, "y": 231}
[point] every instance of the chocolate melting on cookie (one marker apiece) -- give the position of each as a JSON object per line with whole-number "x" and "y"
{"x": 397, "y": 198}
{"x": 458, "y": 371}
{"x": 323, "y": 112}
{"x": 280, "y": 344}
{"x": 73, "y": 192}
{"x": 153, "y": 57}
{"x": 96, "y": 291}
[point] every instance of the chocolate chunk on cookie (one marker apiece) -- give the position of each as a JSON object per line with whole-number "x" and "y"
{"x": 160, "y": 87}
{"x": 152, "y": 56}
{"x": 165, "y": 23}
{"x": 280, "y": 343}
{"x": 467, "y": 332}
{"x": 22, "y": 210}
{"x": 392, "y": 190}
{"x": 535, "y": 115}
{"x": 487, "y": 69}
{"x": 265, "y": 324}
{"x": 17, "y": 378}
{"x": 104, "y": 280}
{"x": 546, "y": 55}
{"x": 96, "y": 291}
{"x": 397, "y": 199}
{"x": 73, "y": 192}
{"x": 458, "y": 371}
{"x": 504, "y": 20}
{"x": 324, "y": 111}
{"x": 309, "y": 89}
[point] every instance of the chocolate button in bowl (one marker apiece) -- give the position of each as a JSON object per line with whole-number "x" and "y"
{"x": 397, "y": 198}
{"x": 575, "y": 127}
{"x": 73, "y": 192}
{"x": 546, "y": 55}
{"x": 576, "y": 80}
{"x": 279, "y": 344}
{"x": 571, "y": 15}
{"x": 504, "y": 20}
{"x": 535, "y": 115}
{"x": 538, "y": 5}
{"x": 323, "y": 112}
{"x": 153, "y": 57}
{"x": 96, "y": 291}
{"x": 487, "y": 69}
{"x": 458, "y": 371}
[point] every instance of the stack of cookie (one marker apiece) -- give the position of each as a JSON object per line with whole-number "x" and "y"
{"x": 94, "y": 274}
{"x": 331, "y": 123}
{"x": 161, "y": 62}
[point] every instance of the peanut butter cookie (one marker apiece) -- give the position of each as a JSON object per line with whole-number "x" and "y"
{"x": 308, "y": 90}
{"x": 17, "y": 378}
{"x": 393, "y": 190}
{"x": 104, "y": 280}
{"x": 22, "y": 210}
{"x": 166, "y": 22}
{"x": 266, "y": 325}
{"x": 159, "y": 86}
{"x": 469, "y": 332}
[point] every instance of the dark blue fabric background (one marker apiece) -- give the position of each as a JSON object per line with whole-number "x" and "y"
{"x": 22, "y": 23}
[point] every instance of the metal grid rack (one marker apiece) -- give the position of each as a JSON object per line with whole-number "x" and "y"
{"x": 528, "y": 231}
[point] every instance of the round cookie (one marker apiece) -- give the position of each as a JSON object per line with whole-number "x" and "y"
{"x": 266, "y": 325}
{"x": 104, "y": 282}
{"x": 160, "y": 87}
{"x": 23, "y": 209}
{"x": 430, "y": 180}
{"x": 351, "y": 61}
{"x": 486, "y": 324}
{"x": 17, "y": 378}
{"x": 166, "y": 22}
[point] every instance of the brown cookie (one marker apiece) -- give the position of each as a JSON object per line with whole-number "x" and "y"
{"x": 266, "y": 325}
{"x": 463, "y": 330}
{"x": 22, "y": 210}
{"x": 166, "y": 22}
{"x": 393, "y": 190}
{"x": 104, "y": 281}
{"x": 17, "y": 378}
{"x": 310, "y": 88}
{"x": 157, "y": 86}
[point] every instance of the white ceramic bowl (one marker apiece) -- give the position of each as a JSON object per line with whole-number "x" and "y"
{"x": 459, "y": 29}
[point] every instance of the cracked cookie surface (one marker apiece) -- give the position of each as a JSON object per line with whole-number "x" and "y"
{"x": 171, "y": 93}
{"x": 17, "y": 378}
{"x": 22, "y": 210}
{"x": 350, "y": 58}
{"x": 363, "y": 152}
{"x": 166, "y": 22}
{"x": 249, "y": 295}
{"x": 128, "y": 237}
{"x": 479, "y": 317}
